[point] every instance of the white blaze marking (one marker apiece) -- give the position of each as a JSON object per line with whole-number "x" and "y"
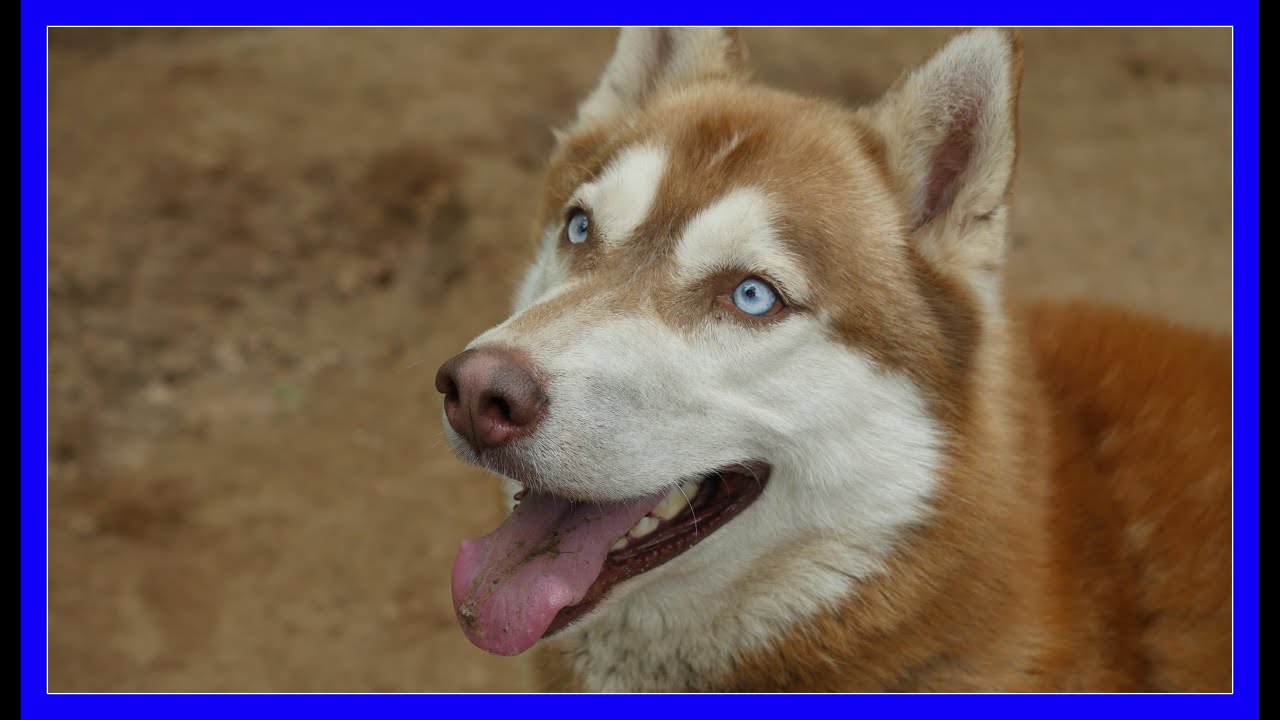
{"x": 620, "y": 199}
{"x": 724, "y": 151}
{"x": 737, "y": 231}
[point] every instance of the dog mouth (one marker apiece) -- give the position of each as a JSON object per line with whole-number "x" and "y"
{"x": 554, "y": 559}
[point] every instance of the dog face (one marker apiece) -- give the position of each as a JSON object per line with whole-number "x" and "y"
{"x": 766, "y": 303}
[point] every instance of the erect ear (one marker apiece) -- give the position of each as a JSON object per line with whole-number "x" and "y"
{"x": 647, "y": 60}
{"x": 951, "y": 138}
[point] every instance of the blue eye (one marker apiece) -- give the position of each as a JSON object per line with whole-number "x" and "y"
{"x": 754, "y": 296}
{"x": 579, "y": 228}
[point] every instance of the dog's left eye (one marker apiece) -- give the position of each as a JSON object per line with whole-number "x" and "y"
{"x": 579, "y": 228}
{"x": 756, "y": 297}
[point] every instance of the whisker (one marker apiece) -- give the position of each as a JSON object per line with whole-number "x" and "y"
{"x": 691, "y": 510}
{"x": 411, "y": 365}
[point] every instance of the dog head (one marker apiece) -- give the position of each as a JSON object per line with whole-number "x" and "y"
{"x": 749, "y": 330}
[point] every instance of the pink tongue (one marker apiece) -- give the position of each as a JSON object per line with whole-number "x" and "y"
{"x": 509, "y": 584}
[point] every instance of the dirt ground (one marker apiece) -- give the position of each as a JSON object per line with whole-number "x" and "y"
{"x": 264, "y": 242}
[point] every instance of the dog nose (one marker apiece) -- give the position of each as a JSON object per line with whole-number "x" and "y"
{"x": 491, "y": 395}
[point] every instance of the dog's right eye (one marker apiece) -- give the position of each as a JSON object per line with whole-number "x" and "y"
{"x": 578, "y": 228}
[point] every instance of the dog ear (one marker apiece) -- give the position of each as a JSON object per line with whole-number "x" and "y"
{"x": 951, "y": 140}
{"x": 649, "y": 59}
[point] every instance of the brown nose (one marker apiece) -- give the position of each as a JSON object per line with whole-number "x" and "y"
{"x": 491, "y": 395}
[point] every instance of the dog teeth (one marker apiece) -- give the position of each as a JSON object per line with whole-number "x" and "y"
{"x": 690, "y": 488}
{"x": 646, "y": 525}
{"x": 618, "y": 544}
{"x": 676, "y": 501}
{"x": 670, "y": 506}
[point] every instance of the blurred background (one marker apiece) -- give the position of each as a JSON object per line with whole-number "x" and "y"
{"x": 263, "y": 242}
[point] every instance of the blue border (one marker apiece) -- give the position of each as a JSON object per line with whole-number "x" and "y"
{"x": 33, "y": 358}
{"x": 1246, "y": 270}
{"x": 35, "y": 16}
{"x": 662, "y": 12}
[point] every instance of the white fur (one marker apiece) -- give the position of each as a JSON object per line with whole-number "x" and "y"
{"x": 548, "y": 271}
{"x": 854, "y": 454}
{"x": 723, "y": 151}
{"x": 736, "y": 232}
{"x": 620, "y": 199}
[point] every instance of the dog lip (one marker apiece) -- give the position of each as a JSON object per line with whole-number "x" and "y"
{"x": 735, "y": 488}
{"x": 505, "y": 461}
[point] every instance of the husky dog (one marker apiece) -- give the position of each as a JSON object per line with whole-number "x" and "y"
{"x": 769, "y": 422}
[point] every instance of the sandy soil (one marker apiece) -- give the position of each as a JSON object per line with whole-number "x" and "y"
{"x": 264, "y": 242}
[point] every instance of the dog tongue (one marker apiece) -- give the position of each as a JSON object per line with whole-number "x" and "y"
{"x": 509, "y": 584}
